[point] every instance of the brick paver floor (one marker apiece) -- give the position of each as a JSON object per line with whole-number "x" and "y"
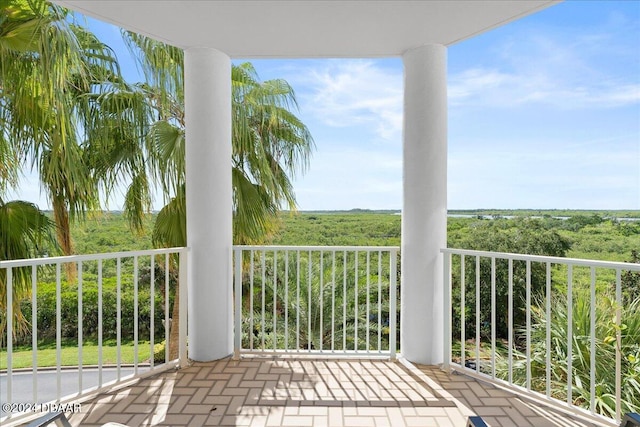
{"x": 313, "y": 392}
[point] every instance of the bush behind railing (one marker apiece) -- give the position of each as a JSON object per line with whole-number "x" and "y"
{"x": 46, "y": 310}
{"x": 605, "y": 373}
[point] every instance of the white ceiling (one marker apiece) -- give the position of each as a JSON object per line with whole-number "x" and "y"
{"x": 308, "y": 28}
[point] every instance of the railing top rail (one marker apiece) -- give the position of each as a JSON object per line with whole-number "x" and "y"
{"x": 315, "y": 248}
{"x": 88, "y": 257}
{"x": 543, "y": 258}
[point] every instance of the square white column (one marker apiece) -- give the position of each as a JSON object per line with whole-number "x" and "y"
{"x": 424, "y": 210}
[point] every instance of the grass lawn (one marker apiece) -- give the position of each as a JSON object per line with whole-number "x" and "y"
{"x": 22, "y": 357}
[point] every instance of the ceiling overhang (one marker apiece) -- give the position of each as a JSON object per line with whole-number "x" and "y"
{"x": 308, "y": 28}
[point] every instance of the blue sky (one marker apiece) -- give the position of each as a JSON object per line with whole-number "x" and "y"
{"x": 543, "y": 113}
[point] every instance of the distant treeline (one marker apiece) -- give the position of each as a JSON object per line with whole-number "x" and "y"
{"x": 548, "y": 212}
{"x": 591, "y": 234}
{"x": 500, "y": 212}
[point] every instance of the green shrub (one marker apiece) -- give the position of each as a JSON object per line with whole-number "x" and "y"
{"x": 159, "y": 352}
{"x": 605, "y": 353}
{"x": 46, "y": 310}
{"x": 520, "y": 236}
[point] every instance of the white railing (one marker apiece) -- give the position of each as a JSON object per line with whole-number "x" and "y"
{"x": 552, "y": 327}
{"x": 95, "y": 281}
{"x": 316, "y": 300}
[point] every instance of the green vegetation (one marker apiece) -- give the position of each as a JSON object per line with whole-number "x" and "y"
{"x": 521, "y": 235}
{"x": 110, "y": 232}
{"x": 590, "y": 237}
{"x": 69, "y": 296}
{"x": 62, "y": 100}
{"x": 23, "y": 231}
{"x": 605, "y": 352}
{"x": 338, "y": 229}
{"x": 562, "y": 213}
{"x": 326, "y": 286}
{"x": 91, "y": 293}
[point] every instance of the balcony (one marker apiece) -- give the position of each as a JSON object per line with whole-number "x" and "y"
{"x": 298, "y": 391}
{"x": 315, "y": 342}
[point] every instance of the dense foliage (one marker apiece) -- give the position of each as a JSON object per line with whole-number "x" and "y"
{"x": 605, "y": 352}
{"x": 334, "y": 229}
{"x": 525, "y": 236}
{"x": 24, "y": 231}
{"x": 108, "y": 293}
{"x": 291, "y": 305}
{"x": 586, "y": 237}
{"x": 60, "y": 87}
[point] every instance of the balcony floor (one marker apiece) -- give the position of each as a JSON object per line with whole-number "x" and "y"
{"x": 259, "y": 391}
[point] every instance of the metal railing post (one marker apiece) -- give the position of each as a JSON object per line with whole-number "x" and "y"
{"x": 9, "y": 322}
{"x": 446, "y": 360}
{"x": 237, "y": 259}
{"x": 183, "y": 307}
{"x": 392, "y": 303}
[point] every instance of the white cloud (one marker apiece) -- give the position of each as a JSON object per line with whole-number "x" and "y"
{"x": 543, "y": 72}
{"x": 566, "y": 68}
{"x": 345, "y": 93}
{"x": 470, "y": 82}
{"x": 494, "y": 88}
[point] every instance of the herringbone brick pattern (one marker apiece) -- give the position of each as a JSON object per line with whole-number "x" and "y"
{"x": 313, "y": 392}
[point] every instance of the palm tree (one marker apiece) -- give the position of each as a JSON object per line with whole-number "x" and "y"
{"x": 23, "y": 231}
{"x": 64, "y": 106}
{"x": 311, "y": 301}
{"x": 23, "y": 227}
{"x": 52, "y": 76}
{"x": 269, "y": 146}
{"x": 19, "y": 32}
{"x": 115, "y": 150}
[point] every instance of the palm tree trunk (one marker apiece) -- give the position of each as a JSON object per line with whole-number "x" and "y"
{"x": 174, "y": 332}
{"x": 63, "y": 233}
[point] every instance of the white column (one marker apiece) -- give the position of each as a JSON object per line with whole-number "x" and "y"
{"x": 424, "y": 211}
{"x": 207, "y": 86}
